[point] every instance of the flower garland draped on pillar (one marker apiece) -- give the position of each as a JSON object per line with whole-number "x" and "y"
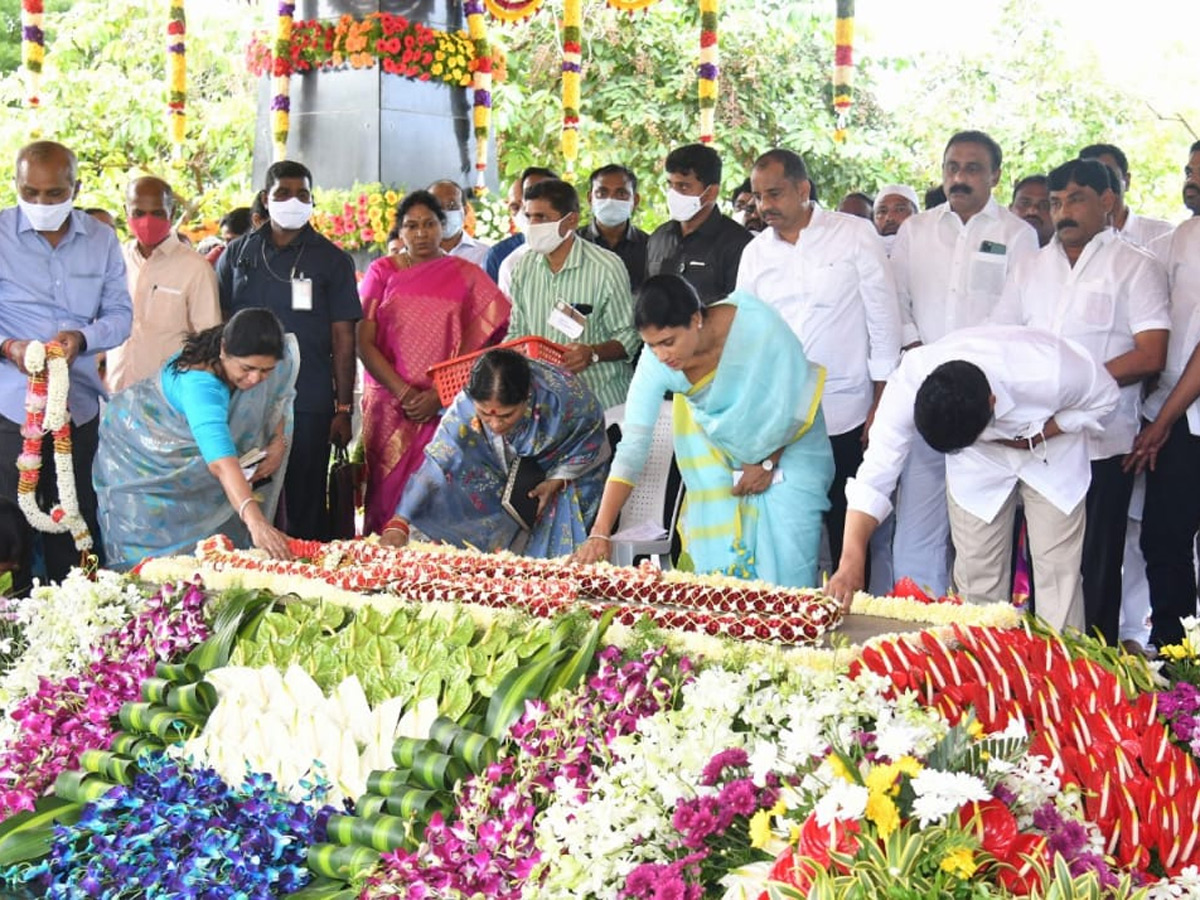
{"x": 572, "y": 75}
{"x": 708, "y": 70}
{"x": 843, "y": 67}
{"x": 281, "y": 103}
{"x": 33, "y": 49}
{"x": 481, "y": 87}
{"x": 177, "y": 76}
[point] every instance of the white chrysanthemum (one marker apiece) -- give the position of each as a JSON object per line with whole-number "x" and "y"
{"x": 842, "y": 801}
{"x": 938, "y": 793}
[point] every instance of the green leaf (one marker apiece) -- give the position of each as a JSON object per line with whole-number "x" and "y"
{"x": 27, "y": 835}
{"x": 524, "y": 683}
{"x": 571, "y": 673}
{"x": 239, "y": 609}
{"x": 341, "y": 863}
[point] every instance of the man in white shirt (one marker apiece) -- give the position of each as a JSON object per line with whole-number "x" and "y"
{"x": 827, "y": 275}
{"x": 893, "y": 204}
{"x": 1140, "y": 230}
{"x": 1168, "y": 449}
{"x": 1010, "y": 407}
{"x": 950, "y": 264}
{"x": 1031, "y": 201}
{"x": 455, "y": 240}
{"x": 1110, "y": 297}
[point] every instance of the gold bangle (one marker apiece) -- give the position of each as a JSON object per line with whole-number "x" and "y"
{"x": 242, "y": 507}
{"x": 602, "y": 537}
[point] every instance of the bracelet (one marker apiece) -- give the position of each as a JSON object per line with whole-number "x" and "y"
{"x": 601, "y": 537}
{"x": 242, "y": 508}
{"x": 343, "y": 408}
{"x": 396, "y": 525}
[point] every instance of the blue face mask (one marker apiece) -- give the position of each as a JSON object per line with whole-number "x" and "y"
{"x": 611, "y": 212}
{"x": 454, "y": 224}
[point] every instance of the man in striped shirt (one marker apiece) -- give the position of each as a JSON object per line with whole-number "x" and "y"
{"x": 570, "y": 291}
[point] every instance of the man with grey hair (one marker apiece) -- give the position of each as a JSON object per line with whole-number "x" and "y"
{"x": 174, "y": 289}
{"x": 61, "y": 279}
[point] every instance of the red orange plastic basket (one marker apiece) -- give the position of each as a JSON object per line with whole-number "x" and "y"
{"x": 451, "y": 376}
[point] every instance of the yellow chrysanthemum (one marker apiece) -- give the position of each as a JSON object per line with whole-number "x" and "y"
{"x": 975, "y": 729}
{"x": 909, "y": 766}
{"x": 882, "y": 779}
{"x": 760, "y": 829}
{"x": 960, "y": 863}
{"x": 839, "y": 768}
{"x": 882, "y": 810}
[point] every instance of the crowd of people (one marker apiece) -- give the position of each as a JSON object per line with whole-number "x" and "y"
{"x": 948, "y": 394}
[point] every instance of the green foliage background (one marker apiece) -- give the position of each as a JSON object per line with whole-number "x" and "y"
{"x": 105, "y": 95}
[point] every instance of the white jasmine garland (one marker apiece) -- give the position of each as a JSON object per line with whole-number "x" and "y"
{"x": 49, "y": 365}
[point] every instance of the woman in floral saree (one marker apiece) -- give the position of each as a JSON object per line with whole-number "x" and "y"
{"x": 512, "y": 408}
{"x": 750, "y": 439}
{"x": 420, "y": 307}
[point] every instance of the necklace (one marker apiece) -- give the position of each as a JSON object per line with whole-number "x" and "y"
{"x": 46, "y": 411}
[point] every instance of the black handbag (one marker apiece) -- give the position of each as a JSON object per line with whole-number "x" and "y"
{"x": 343, "y": 476}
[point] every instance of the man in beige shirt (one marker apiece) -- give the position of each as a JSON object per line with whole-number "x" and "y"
{"x": 174, "y": 289}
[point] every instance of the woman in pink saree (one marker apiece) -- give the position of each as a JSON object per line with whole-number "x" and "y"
{"x": 420, "y": 308}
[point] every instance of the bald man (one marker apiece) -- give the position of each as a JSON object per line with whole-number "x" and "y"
{"x": 61, "y": 279}
{"x": 174, "y": 289}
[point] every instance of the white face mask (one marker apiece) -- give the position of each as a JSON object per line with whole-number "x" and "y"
{"x": 611, "y": 212}
{"x": 888, "y": 240}
{"x": 454, "y": 224}
{"x": 46, "y": 216}
{"x": 682, "y": 207}
{"x": 291, "y": 214}
{"x": 543, "y": 237}
{"x": 739, "y": 216}
{"x": 521, "y": 221}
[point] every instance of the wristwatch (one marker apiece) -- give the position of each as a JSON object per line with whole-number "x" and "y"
{"x": 595, "y": 356}
{"x": 768, "y": 465}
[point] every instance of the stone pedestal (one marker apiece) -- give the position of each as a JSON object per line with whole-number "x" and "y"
{"x": 365, "y": 125}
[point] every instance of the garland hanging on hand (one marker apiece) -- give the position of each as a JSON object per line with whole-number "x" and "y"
{"x": 843, "y": 66}
{"x": 177, "y": 75}
{"x": 46, "y": 411}
{"x": 281, "y": 104}
{"x": 33, "y": 48}
{"x": 481, "y": 87}
{"x": 708, "y": 71}
{"x": 572, "y": 75}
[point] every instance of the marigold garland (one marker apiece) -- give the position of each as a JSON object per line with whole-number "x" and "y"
{"x": 572, "y": 76}
{"x": 843, "y": 66}
{"x": 510, "y": 11}
{"x": 630, "y": 6}
{"x": 33, "y": 48}
{"x": 281, "y": 103}
{"x": 481, "y": 86}
{"x": 46, "y": 410}
{"x": 177, "y": 74}
{"x": 708, "y": 69}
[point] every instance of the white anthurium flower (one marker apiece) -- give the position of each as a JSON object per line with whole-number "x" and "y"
{"x": 417, "y": 720}
{"x": 303, "y": 691}
{"x": 349, "y": 699}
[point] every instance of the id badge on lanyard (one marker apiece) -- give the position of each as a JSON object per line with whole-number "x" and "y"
{"x": 302, "y": 297}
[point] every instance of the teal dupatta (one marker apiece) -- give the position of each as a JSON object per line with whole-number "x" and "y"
{"x": 763, "y": 395}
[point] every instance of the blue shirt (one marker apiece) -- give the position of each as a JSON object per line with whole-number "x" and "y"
{"x": 499, "y": 253}
{"x": 254, "y": 272}
{"x": 77, "y": 286}
{"x": 203, "y": 399}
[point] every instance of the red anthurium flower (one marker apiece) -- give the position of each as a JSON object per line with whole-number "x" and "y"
{"x": 1018, "y": 872}
{"x": 993, "y": 823}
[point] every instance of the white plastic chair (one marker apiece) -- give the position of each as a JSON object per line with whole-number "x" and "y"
{"x": 646, "y": 510}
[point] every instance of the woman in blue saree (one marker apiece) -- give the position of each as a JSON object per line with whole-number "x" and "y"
{"x": 168, "y": 471}
{"x": 750, "y": 439}
{"x": 512, "y": 407}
